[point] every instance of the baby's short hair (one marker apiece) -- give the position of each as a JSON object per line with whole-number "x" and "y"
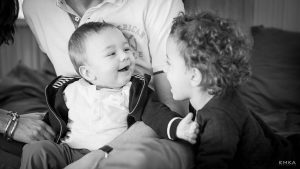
{"x": 216, "y": 47}
{"x": 76, "y": 46}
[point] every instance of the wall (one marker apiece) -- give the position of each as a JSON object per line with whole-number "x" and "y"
{"x": 282, "y": 14}
{"x": 24, "y": 49}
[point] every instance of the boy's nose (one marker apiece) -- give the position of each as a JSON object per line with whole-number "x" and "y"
{"x": 165, "y": 69}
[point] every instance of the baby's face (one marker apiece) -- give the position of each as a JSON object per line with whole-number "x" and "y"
{"x": 110, "y": 58}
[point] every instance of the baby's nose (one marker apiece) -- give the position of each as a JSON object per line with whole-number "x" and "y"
{"x": 123, "y": 57}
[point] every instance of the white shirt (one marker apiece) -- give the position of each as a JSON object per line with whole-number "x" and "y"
{"x": 96, "y": 116}
{"x": 145, "y": 22}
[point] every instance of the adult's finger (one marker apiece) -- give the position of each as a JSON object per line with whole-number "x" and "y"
{"x": 49, "y": 130}
{"x": 38, "y": 116}
{"x": 44, "y": 132}
{"x": 47, "y": 136}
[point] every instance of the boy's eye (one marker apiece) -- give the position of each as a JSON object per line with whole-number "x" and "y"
{"x": 168, "y": 63}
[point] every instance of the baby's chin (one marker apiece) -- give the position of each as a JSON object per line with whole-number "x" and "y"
{"x": 124, "y": 81}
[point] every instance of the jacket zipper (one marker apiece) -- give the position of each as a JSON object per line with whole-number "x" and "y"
{"x": 143, "y": 79}
{"x": 52, "y": 111}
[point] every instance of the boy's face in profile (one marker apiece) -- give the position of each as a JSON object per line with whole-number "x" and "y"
{"x": 177, "y": 73}
{"x": 110, "y": 59}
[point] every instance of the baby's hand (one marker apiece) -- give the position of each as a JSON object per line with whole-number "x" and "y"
{"x": 187, "y": 129}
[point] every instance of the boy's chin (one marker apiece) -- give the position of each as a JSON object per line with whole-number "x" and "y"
{"x": 177, "y": 97}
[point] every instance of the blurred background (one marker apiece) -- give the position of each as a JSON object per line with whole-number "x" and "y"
{"x": 283, "y": 14}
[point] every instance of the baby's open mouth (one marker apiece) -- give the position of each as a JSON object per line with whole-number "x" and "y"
{"x": 124, "y": 69}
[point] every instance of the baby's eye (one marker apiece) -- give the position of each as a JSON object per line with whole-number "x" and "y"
{"x": 111, "y": 54}
{"x": 127, "y": 49}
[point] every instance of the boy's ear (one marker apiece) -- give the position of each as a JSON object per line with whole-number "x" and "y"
{"x": 196, "y": 77}
{"x": 86, "y": 73}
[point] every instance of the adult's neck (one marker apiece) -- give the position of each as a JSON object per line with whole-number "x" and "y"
{"x": 81, "y": 6}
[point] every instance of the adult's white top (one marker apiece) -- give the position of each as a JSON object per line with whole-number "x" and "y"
{"x": 146, "y": 24}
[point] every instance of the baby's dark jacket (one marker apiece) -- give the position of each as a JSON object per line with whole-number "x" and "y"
{"x": 143, "y": 106}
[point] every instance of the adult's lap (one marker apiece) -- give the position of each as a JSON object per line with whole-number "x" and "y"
{"x": 150, "y": 153}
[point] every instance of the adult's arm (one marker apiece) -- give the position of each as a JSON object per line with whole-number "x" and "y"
{"x": 30, "y": 127}
{"x": 159, "y": 18}
{"x": 4, "y": 118}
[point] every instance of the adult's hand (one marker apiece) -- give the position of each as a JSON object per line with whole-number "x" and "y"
{"x": 31, "y": 127}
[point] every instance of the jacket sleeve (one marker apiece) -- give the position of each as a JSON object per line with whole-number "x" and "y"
{"x": 160, "y": 118}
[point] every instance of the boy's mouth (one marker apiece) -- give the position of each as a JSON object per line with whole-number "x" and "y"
{"x": 124, "y": 69}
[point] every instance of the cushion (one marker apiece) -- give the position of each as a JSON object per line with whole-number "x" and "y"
{"x": 149, "y": 153}
{"x": 22, "y": 90}
{"x": 273, "y": 91}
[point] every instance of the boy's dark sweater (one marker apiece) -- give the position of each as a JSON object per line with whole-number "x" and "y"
{"x": 232, "y": 137}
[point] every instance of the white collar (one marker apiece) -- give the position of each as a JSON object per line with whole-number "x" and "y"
{"x": 63, "y": 5}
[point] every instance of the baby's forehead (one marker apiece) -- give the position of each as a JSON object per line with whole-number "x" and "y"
{"x": 107, "y": 32}
{"x": 104, "y": 38}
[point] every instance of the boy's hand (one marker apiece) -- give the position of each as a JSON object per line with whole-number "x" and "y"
{"x": 188, "y": 129}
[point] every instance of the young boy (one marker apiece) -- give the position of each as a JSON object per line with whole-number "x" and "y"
{"x": 207, "y": 61}
{"x": 89, "y": 112}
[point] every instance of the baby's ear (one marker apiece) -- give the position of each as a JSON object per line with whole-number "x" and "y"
{"x": 86, "y": 73}
{"x": 196, "y": 77}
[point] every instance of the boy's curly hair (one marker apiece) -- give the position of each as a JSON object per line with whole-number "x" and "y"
{"x": 216, "y": 47}
{"x": 9, "y": 10}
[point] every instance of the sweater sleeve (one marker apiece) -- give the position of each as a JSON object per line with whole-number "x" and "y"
{"x": 160, "y": 118}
